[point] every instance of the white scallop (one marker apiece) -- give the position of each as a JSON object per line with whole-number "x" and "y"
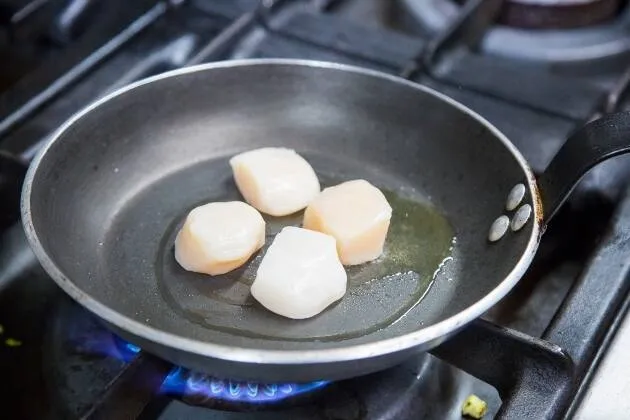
{"x": 356, "y": 214}
{"x": 275, "y": 180}
{"x": 515, "y": 197}
{"x": 219, "y": 237}
{"x": 300, "y": 275}
{"x": 521, "y": 217}
{"x": 498, "y": 228}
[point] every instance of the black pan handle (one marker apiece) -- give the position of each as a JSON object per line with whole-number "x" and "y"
{"x": 599, "y": 140}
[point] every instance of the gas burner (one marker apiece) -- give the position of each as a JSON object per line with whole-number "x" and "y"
{"x": 82, "y": 358}
{"x": 202, "y": 389}
{"x": 80, "y": 346}
{"x": 599, "y": 38}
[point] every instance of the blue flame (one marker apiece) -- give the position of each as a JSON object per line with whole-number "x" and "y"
{"x": 184, "y": 382}
{"x": 103, "y": 343}
{"x": 132, "y": 348}
{"x": 125, "y": 351}
{"x": 181, "y": 381}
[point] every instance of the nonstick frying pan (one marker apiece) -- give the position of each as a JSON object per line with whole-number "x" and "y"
{"x": 104, "y": 198}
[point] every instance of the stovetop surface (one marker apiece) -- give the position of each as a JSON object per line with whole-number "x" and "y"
{"x": 64, "y": 55}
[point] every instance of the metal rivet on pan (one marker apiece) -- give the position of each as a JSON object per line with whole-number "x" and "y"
{"x": 521, "y": 217}
{"x": 498, "y": 228}
{"x": 515, "y": 197}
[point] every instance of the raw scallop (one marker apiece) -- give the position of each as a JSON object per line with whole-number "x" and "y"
{"x": 300, "y": 275}
{"x": 356, "y": 214}
{"x": 276, "y": 181}
{"x": 219, "y": 237}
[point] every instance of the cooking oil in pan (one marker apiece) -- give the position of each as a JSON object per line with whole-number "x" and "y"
{"x": 379, "y": 293}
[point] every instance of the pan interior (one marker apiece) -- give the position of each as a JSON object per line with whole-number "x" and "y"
{"x": 379, "y": 293}
{"x": 110, "y": 192}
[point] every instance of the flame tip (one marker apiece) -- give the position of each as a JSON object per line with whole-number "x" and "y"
{"x": 183, "y": 382}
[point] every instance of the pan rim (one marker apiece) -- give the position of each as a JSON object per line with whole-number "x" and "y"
{"x": 372, "y": 349}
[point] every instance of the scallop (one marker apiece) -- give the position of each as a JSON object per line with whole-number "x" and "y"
{"x": 300, "y": 275}
{"x": 219, "y": 237}
{"x": 275, "y": 180}
{"x": 356, "y": 214}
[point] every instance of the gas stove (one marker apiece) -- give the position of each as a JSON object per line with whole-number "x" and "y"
{"x": 536, "y": 69}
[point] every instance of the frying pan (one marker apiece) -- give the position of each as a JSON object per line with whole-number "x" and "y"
{"x": 104, "y": 198}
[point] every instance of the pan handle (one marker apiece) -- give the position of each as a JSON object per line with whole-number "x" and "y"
{"x": 597, "y": 141}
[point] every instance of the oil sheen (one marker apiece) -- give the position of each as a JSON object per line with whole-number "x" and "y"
{"x": 379, "y": 292}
